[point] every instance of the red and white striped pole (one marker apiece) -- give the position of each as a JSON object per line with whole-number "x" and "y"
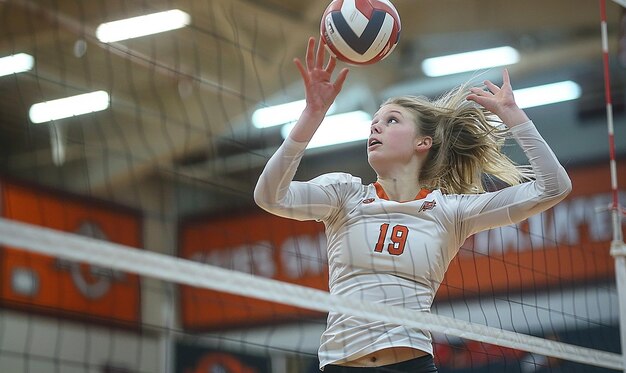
{"x": 615, "y": 207}
{"x": 618, "y": 249}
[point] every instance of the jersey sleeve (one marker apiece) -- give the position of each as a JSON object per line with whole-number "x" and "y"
{"x": 317, "y": 199}
{"x": 515, "y": 203}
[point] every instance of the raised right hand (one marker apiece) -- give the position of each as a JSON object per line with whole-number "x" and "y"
{"x": 320, "y": 91}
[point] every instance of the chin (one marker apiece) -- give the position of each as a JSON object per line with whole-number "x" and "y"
{"x": 374, "y": 162}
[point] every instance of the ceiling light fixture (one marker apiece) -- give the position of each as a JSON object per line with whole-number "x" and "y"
{"x": 470, "y": 61}
{"x": 135, "y": 27}
{"x": 547, "y": 94}
{"x": 69, "y": 107}
{"x": 338, "y": 129}
{"x": 280, "y": 114}
{"x": 16, "y": 63}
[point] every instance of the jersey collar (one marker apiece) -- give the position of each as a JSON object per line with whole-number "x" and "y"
{"x": 380, "y": 192}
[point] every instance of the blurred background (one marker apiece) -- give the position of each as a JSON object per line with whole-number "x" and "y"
{"x": 181, "y": 102}
{"x": 175, "y": 149}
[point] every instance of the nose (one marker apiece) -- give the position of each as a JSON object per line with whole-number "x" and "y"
{"x": 375, "y": 128}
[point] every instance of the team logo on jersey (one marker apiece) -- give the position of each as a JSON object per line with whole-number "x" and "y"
{"x": 428, "y": 205}
{"x": 368, "y": 200}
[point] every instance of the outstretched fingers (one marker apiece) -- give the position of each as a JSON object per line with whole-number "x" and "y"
{"x": 302, "y": 69}
{"x": 316, "y": 73}
{"x": 505, "y": 77}
{"x": 310, "y": 55}
{"x": 341, "y": 78}
{"x": 492, "y": 87}
{"x": 321, "y": 55}
{"x": 506, "y": 83}
{"x": 330, "y": 66}
{"x": 478, "y": 93}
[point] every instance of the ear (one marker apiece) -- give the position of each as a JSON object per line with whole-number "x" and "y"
{"x": 423, "y": 144}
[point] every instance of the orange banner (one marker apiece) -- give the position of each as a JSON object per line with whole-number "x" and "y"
{"x": 262, "y": 245}
{"x": 57, "y": 286}
{"x": 565, "y": 245}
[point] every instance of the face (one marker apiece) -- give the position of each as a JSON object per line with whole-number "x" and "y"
{"x": 393, "y": 137}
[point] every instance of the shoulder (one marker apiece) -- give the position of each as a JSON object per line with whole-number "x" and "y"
{"x": 337, "y": 178}
{"x": 448, "y": 202}
{"x": 340, "y": 185}
{"x": 455, "y": 199}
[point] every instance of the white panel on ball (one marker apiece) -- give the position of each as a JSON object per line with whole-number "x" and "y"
{"x": 356, "y": 20}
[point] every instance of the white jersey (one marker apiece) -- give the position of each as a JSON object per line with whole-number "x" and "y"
{"x": 397, "y": 253}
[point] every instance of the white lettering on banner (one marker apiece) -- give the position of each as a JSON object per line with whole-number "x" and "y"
{"x": 300, "y": 256}
{"x": 256, "y": 258}
{"x": 559, "y": 225}
{"x": 304, "y": 255}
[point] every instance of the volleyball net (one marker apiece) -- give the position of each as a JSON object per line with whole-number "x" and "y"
{"x": 130, "y": 242}
{"x": 544, "y": 314}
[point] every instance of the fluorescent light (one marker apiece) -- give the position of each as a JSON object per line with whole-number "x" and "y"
{"x": 547, "y": 94}
{"x": 280, "y": 114}
{"x": 141, "y": 26}
{"x": 338, "y": 129}
{"x": 16, "y": 63}
{"x": 470, "y": 61}
{"x": 69, "y": 107}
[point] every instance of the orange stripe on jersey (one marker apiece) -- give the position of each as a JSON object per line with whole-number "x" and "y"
{"x": 380, "y": 192}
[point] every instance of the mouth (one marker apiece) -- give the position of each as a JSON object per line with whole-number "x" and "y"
{"x": 373, "y": 142}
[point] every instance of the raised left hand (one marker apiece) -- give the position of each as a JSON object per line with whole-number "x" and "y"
{"x": 499, "y": 100}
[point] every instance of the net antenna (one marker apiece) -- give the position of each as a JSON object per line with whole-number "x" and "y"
{"x": 618, "y": 248}
{"x": 186, "y": 272}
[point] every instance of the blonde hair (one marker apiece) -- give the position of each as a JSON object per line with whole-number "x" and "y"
{"x": 467, "y": 143}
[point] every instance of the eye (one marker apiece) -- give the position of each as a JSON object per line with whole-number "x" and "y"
{"x": 392, "y": 120}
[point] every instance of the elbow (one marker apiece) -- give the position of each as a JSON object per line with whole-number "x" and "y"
{"x": 260, "y": 197}
{"x": 265, "y": 198}
{"x": 565, "y": 183}
{"x": 562, "y": 186}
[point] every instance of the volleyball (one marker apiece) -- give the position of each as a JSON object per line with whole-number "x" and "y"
{"x": 360, "y": 32}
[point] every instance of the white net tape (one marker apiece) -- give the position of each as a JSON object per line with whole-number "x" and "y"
{"x": 186, "y": 272}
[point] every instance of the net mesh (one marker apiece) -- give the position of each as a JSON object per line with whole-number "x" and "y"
{"x": 480, "y": 333}
{"x": 130, "y": 242}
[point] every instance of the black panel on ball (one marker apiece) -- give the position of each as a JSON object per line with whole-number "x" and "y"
{"x": 364, "y": 42}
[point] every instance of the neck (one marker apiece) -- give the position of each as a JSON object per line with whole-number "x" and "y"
{"x": 400, "y": 189}
{"x": 400, "y": 180}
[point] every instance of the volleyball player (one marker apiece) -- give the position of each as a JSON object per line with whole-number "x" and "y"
{"x": 391, "y": 241}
